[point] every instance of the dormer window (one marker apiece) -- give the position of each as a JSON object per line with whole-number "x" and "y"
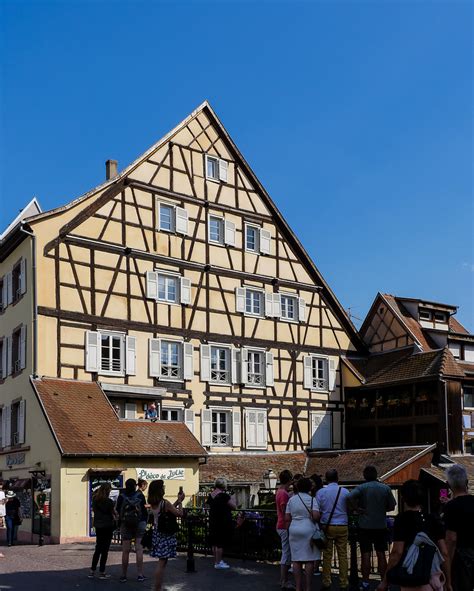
{"x": 440, "y": 317}
{"x": 425, "y": 315}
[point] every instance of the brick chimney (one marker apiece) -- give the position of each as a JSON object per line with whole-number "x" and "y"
{"x": 111, "y": 169}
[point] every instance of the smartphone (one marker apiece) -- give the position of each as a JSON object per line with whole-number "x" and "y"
{"x": 443, "y": 493}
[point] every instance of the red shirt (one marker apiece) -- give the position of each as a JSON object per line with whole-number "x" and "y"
{"x": 281, "y": 500}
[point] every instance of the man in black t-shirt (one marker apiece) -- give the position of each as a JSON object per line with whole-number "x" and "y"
{"x": 459, "y": 520}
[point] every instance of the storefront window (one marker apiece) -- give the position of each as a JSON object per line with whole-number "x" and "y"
{"x": 95, "y": 480}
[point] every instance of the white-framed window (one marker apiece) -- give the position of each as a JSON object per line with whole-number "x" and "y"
{"x": 255, "y": 428}
{"x": 440, "y": 316}
{"x": 254, "y": 302}
{"x": 425, "y": 315}
{"x": 255, "y": 367}
{"x": 221, "y": 428}
{"x": 130, "y": 410}
{"x": 168, "y": 288}
{"x": 172, "y": 414}
{"x": 468, "y": 396}
{"x": 289, "y": 307}
{"x": 252, "y": 238}
{"x": 171, "y": 360}
{"x": 220, "y": 365}
{"x": 216, "y": 229}
{"x": 3, "y": 358}
{"x": 172, "y": 218}
{"x": 18, "y": 280}
{"x": 319, "y": 373}
{"x": 15, "y": 351}
{"x": 320, "y": 429}
{"x": 110, "y": 353}
{"x": 216, "y": 169}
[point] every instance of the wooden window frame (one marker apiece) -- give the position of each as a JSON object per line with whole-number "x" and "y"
{"x": 257, "y": 242}
{"x": 222, "y": 225}
{"x": 295, "y": 297}
{"x": 325, "y": 359}
{"x": 177, "y": 278}
{"x": 261, "y": 293}
{"x": 172, "y": 206}
{"x": 262, "y": 353}
{"x": 110, "y": 372}
{"x": 228, "y": 369}
{"x": 180, "y": 377}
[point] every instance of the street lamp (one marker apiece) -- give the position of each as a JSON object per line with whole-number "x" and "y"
{"x": 270, "y": 480}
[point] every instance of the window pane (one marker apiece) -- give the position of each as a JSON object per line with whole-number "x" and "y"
{"x": 166, "y": 217}
{"x": 215, "y": 229}
{"x": 212, "y": 171}
{"x": 251, "y": 238}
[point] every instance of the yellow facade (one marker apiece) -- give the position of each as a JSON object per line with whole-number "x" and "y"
{"x": 93, "y": 257}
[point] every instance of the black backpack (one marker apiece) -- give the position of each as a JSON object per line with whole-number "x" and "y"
{"x": 131, "y": 511}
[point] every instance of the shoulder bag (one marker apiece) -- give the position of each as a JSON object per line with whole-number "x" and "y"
{"x": 167, "y": 523}
{"x": 319, "y": 537}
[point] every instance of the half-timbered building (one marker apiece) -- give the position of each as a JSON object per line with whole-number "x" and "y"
{"x": 417, "y": 385}
{"x": 178, "y": 282}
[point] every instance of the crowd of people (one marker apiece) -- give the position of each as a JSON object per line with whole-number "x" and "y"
{"x": 429, "y": 552}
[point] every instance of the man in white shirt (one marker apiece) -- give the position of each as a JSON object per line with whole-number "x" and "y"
{"x": 332, "y": 499}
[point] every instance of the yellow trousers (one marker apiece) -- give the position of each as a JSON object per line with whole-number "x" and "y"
{"x": 337, "y": 536}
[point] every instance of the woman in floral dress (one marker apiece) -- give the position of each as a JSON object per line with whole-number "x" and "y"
{"x": 163, "y": 545}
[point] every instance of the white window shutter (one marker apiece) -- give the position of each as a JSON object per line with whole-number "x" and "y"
{"x": 301, "y": 310}
{"x": 185, "y": 290}
{"x": 8, "y": 425}
{"x": 130, "y": 410}
{"x": 269, "y": 378}
{"x": 189, "y": 419}
{"x": 332, "y": 375}
{"x": 4, "y": 359}
{"x": 244, "y": 367}
{"x": 182, "y": 221}
{"x": 236, "y": 428}
{"x": 265, "y": 241}
{"x": 130, "y": 356}
{"x": 206, "y": 427}
{"x": 250, "y": 428}
{"x": 240, "y": 299}
{"x": 261, "y": 428}
{"x": 21, "y": 421}
{"x": 205, "y": 363}
{"x": 92, "y": 350}
{"x": 229, "y": 233}
{"x": 4, "y": 426}
{"x": 5, "y": 292}
{"x": 308, "y": 371}
{"x": 235, "y": 361}
{"x": 152, "y": 285}
{"x": 23, "y": 276}
{"x": 269, "y": 304}
{"x": 276, "y": 305}
{"x": 8, "y": 342}
{"x": 188, "y": 370}
{"x": 154, "y": 362}
{"x": 23, "y": 346}
{"x": 9, "y": 288}
{"x": 223, "y": 170}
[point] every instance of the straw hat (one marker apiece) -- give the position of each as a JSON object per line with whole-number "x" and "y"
{"x": 10, "y": 494}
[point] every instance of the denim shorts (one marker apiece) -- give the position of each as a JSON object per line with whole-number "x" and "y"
{"x": 132, "y": 534}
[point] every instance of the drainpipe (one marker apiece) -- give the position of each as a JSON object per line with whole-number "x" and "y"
{"x": 35, "y": 305}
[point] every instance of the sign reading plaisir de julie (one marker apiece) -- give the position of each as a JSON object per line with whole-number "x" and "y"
{"x": 160, "y": 474}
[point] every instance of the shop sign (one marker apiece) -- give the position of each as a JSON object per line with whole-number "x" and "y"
{"x": 160, "y": 473}
{"x": 16, "y": 459}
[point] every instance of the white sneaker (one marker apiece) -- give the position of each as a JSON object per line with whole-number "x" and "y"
{"x": 221, "y": 565}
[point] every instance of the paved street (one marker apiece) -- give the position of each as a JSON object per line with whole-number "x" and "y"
{"x": 65, "y": 567}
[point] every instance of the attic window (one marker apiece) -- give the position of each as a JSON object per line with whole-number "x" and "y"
{"x": 381, "y": 310}
{"x": 425, "y": 315}
{"x": 440, "y": 316}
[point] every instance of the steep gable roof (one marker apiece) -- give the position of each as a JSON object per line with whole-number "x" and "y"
{"x": 110, "y": 188}
{"x": 84, "y": 423}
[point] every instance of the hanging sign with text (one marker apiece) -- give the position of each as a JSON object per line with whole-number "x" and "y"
{"x": 160, "y": 473}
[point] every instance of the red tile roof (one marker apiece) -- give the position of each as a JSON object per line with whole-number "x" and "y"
{"x": 456, "y": 326}
{"x": 439, "y": 473}
{"x": 406, "y": 365}
{"x": 241, "y": 468}
{"x": 84, "y": 423}
{"x": 351, "y": 463}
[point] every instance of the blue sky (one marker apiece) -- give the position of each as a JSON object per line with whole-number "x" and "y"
{"x": 356, "y": 116}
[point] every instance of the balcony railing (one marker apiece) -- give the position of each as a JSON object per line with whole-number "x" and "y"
{"x": 255, "y": 379}
{"x": 220, "y": 375}
{"x": 220, "y": 439}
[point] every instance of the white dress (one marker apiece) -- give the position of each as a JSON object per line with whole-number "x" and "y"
{"x": 302, "y": 528}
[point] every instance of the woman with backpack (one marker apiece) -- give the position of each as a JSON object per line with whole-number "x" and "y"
{"x": 104, "y": 525}
{"x": 410, "y": 528}
{"x": 164, "y": 527}
{"x": 133, "y": 516}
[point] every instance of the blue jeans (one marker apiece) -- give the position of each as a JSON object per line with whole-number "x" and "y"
{"x": 11, "y": 530}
